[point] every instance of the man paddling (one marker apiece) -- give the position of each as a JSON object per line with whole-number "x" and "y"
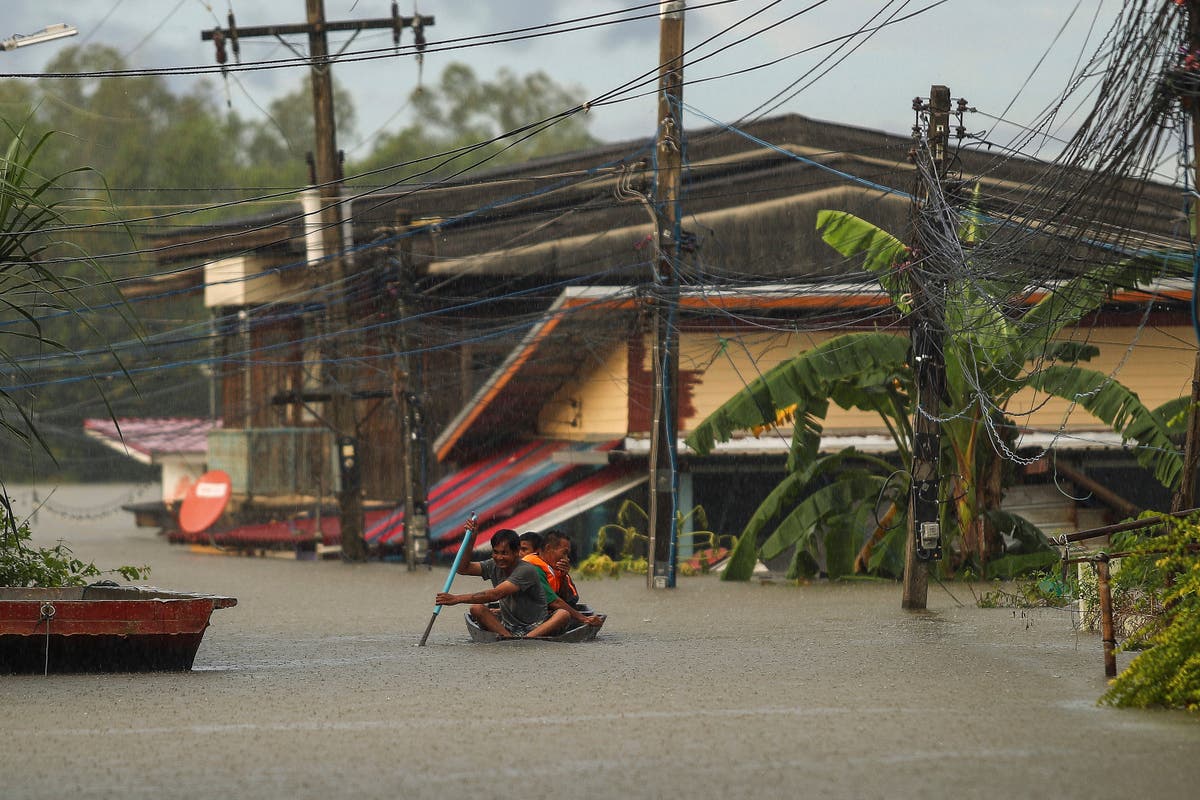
{"x": 526, "y": 610}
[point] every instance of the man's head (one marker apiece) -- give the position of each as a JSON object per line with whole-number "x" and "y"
{"x": 505, "y": 547}
{"x": 530, "y": 543}
{"x": 555, "y": 546}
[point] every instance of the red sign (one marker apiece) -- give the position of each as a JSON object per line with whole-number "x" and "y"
{"x": 205, "y": 502}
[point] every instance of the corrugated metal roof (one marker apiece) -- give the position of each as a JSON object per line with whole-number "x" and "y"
{"x": 144, "y": 438}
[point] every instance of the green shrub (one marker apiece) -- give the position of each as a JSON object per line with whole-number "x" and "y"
{"x": 23, "y": 564}
{"x": 1167, "y": 673}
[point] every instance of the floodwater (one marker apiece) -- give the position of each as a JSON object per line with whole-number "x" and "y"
{"x": 312, "y": 687}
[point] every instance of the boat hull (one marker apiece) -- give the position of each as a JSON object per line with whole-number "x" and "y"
{"x": 575, "y": 632}
{"x": 102, "y": 629}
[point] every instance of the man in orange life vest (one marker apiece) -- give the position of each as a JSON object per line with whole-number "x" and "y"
{"x": 531, "y": 542}
{"x": 551, "y": 554}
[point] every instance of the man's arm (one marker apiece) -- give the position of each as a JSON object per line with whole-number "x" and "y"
{"x": 503, "y": 590}
{"x": 576, "y": 615}
{"x": 554, "y": 603}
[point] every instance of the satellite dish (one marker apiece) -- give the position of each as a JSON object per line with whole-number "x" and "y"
{"x": 205, "y": 501}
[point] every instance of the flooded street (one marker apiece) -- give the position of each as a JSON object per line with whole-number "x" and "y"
{"x": 312, "y": 687}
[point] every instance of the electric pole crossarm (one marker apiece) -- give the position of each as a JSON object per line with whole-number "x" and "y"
{"x": 327, "y": 27}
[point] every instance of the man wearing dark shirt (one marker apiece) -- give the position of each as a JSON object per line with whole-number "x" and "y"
{"x": 517, "y": 584}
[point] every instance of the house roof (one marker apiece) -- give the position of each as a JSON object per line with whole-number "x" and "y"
{"x": 751, "y": 205}
{"x": 781, "y": 445}
{"x": 147, "y": 439}
{"x": 585, "y": 322}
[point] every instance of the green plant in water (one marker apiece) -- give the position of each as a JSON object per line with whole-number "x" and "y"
{"x": 625, "y": 539}
{"x": 1040, "y": 589}
{"x": 24, "y": 564}
{"x": 1167, "y": 673}
{"x": 34, "y": 286}
{"x": 1137, "y": 586}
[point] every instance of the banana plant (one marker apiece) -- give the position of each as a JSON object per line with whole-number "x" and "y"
{"x": 30, "y": 289}
{"x": 33, "y": 286}
{"x": 993, "y": 350}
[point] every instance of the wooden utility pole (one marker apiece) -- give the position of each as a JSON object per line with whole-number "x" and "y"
{"x": 329, "y": 188}
{"x": 1185, "y": 495}
{"x": 664, "y": 435}
{"x": 929, "y": 364}
{"x": 337, "y": 374}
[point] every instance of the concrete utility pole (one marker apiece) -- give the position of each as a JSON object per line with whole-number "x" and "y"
{"x": 664, "y": 435}
{"x": 1185, "y": 495}
{"x": 328, "y": 179}
{"x": 929, "y": 365}
{"x": 410, "y": 399}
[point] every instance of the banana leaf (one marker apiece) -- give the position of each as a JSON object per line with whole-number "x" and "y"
{"x": 1174, "y": 414}
{"x": 784, "y": 496}
{"x": 1121, "y": 409}
{"x": 853, "y": 236}
{"x": 859, "y": 359}
{"x": 788, "y": 491}
{"x": 742, "y": 560}
{"x": 838, "y": 498}
{"x": 1073, "y": 299}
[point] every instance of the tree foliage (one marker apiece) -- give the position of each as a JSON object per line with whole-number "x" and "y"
{"x": 463, "y": 121}
{"x": 163, "y": 158}
{"x": 1167, "y": 673}
{"x": 23, "y": 563}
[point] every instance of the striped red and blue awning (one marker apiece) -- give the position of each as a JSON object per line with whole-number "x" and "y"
{"x": 576, "y": 499}
{"x": 494, "y": 488}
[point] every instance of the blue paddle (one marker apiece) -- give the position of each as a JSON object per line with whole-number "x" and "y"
{"x": 468, "y": 535}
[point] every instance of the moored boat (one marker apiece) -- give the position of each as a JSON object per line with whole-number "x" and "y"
{"x": 102, "y": 628}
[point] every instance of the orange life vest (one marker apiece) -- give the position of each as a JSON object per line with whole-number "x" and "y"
{"x": 551, "y": 576}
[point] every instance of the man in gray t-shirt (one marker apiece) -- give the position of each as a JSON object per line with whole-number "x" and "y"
{"x": 526, "y": 608}
{"x": 518, "y": 585}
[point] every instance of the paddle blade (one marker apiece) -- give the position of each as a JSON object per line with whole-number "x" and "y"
{"x": 432, "y": 618}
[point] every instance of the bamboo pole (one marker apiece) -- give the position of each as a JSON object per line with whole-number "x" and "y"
{"x": 1133, "y": 525}
{"x": 1107, "y": 634}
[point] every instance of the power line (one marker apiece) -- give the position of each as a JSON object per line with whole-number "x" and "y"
{"x": 448, "y": 45}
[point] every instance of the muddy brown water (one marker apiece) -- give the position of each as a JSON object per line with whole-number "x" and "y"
{"x": 312, "y": 687}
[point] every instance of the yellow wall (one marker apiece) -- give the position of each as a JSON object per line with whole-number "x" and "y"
{"x": 729, "y": 363}
{"x": 1158, "y": 368}
{"x": 592, "y": 405}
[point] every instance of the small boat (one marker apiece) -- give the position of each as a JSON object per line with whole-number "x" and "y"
{"x": 575, "y": 631}
{"x": 102, "y": 628}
